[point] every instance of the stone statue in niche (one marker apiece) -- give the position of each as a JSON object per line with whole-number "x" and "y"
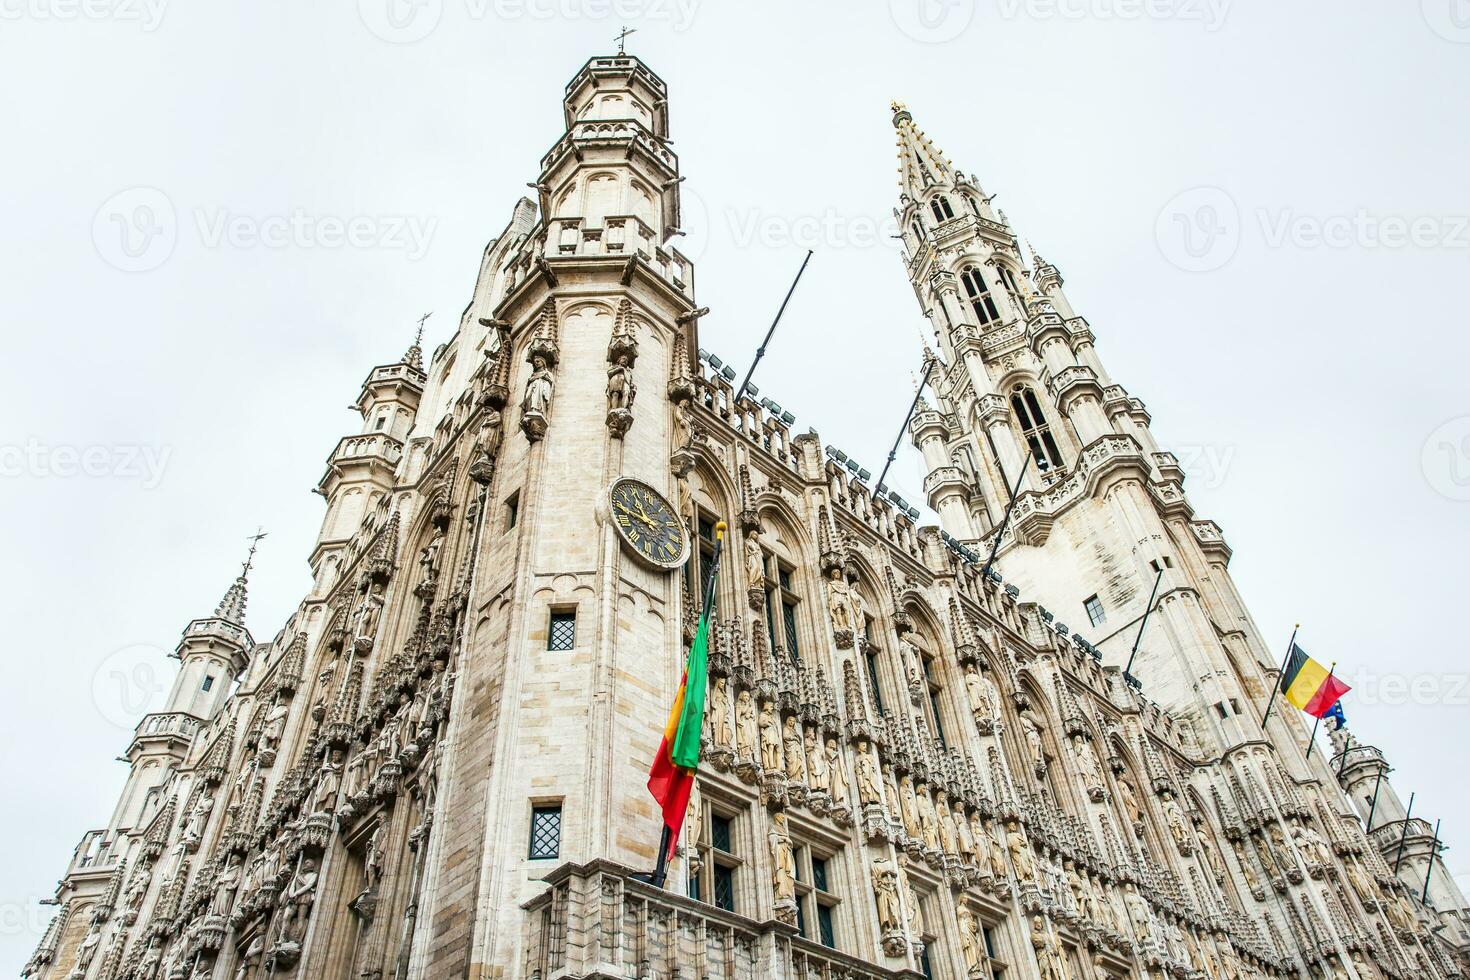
{"x": 793, "y": 750}
{"x": 487, "y": 446}
{"x": 916, "y": 914}
{"x": 1034, "y": 745}
{"x": 755, "y": 560}
{"x": 298, "y": 900}
{"x": 971, "y": 944}
{"x": 271, "y": 731}
{"x": 783, "y": 864}
{"x": 836, "y": 775}
{"x": 1091, "y": 768}
{"x": 369, "y": 614}
{"x": 859, "y": 612}
{"x": 816, "y": 762}
{"x": 1020, "y": 847}
{"x": 885, "y": 892}
{"x": 870, "y": 784}
{"x": 980, "y": 690}
{"x": 199, "y": 819}
{"x": 225, "y": 884}
{"x": 839, "y": 606}
{"x": 746, "y": 730}
{"x": 770, "y": 738}
{"x": 620, "y": 394}
{"x": 536, "y": 402}
{"x": 429, "y": 563}
{"x": 719, "y": 714}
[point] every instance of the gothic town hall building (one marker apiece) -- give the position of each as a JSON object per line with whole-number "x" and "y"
{"x": 435, "y": 768}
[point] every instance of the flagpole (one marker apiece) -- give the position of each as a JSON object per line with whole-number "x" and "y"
{"x": 760, "y": 351}
{"x": 660, "y": 871}
{"x": 1312, "y": 741}
{"x": 1276, "y": 684}
{"x": 918, "y": 393}
{"x": 1373, "y": 807}
{"x": 1128, "y": 671}
{"x": 1006, "y": 520}
{"x": 1433, "y": 848}
{"x": 1399, "y": 858}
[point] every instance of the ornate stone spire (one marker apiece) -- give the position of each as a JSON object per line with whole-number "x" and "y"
{"x": 920, "y": 162}
{"x": 414, "y": 356}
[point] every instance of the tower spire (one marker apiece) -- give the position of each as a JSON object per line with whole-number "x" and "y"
{"x": 231, "y": 607}
{"x": 920, "y": 163}
{"x": 414, "y": 357}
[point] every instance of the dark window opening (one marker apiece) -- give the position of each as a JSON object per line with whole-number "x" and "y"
{"x": 561, "y": 634}
{"x": 545, "y": 832}
{"x": 979, "y": 295}
{"x": 1095, "y": 610}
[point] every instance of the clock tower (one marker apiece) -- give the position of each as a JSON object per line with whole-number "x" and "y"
{"x": 586, "y": 318}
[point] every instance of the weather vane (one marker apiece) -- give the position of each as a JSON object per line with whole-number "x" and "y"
{"x": 418, "y": 338}
{"x": 254, "y": 543}
{"x": 622, "y": 38}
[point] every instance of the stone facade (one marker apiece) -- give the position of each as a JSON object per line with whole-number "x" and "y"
{"x": 437, "y": 766}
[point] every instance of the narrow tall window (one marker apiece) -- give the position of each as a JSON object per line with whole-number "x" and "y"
{"x": 816, "y": 896}
{"x": 561, "y": 632}
{"x": 702, "y": 559}
{"x": 934, "y": 694}
{"x": 208, "y": 682}
{"x": 940, "y": 207}
{"x": 512, "y": 509}
{"x": 1034, "y": 428}
{"x": 1095, "y": 611}
{"x": 781, "y": 603}
{"x": 545, "y": 832}
{"x": 979, "y": 294}
{"x": 918, "y": 229}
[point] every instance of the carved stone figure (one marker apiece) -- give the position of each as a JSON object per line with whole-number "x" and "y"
{"x": 1048, "y": 955}
{"x": 251, "y": 958}
{"x": 916, "y": 914}
{"x": 1174, "y": 816}
{"x": 839, "y": 602}
{"x": 949, "y": 831}
{"x": 793, "y": 750}
{"x": 1312, "y": 845}
{"x": 1360, "y": 882}
{"x": 770, "y": 738}
{"x": 783, "y": 863}
{"x": 540, "y": 387}
{"x": 885, "y": 892}
{"x": 859, "y": 611}
{"x": 928, "y": 818}
{"x": 755, "y": 560}
{"x": 137, "y": 889}
{"x": 719, "y": 714}
{"x": 910, "y": 809}
{"x": 972, "y": 944}
{"x": 746, "y": 732}
{"x": 1211, "y": 855}
{"x": 1138, "y": 913}
{"x": 868, "y": 781}
{"x": 273, "y": 728}
{"x": 199, "y": 817}
{"x": 1087, "y": 762}
{"x": 367, "y": 623}
{"x": 836, "y": 774}
{"x": 620, "y": 387}
{"x": 487, "y": 446}
{"x": 429, "y": 560}
{"x": 1032, "y": 734}
{"x": 87, "y": 951}
{"x": 225, "y": 884}
{"x": 298, "y": 900}
{"x": 980, "y": 690}
{"x": 816, "y": 762}
{"x": 1020, "y": 849}
{"x": 683, "y": 425}
{"x": 1130, "y": 801}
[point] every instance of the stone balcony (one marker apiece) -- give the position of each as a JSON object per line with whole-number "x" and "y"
{"x": 1035, "y": 512}
{"x": 171, "y": 731}
{"x": 95, "y": 854}
{"x": 594, "y": 921}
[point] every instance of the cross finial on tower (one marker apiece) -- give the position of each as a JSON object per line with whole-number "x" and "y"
{"x": 622, "y": 39}
{"x": 254, "y": 543}
{"x": 418, "y": 337}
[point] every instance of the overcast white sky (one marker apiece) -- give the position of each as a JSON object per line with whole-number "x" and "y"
{"x": 1305, "y": 361}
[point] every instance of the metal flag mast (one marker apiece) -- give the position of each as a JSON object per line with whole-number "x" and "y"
{"x": 1276, "y": 685}
{"x": 1147, "y": 610}
{"x": 929, "y": 363}
{"x": 760, "y": 351}
{"x": 660, "y": 872}
{"x": 1312, "y": 740}
{"x": 1006, "y": 519}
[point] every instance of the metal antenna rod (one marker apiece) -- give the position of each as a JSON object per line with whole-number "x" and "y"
{"x": 760, "y": 351}
{"x": 1128, "y": 671}
{"x": 918, "y": 393}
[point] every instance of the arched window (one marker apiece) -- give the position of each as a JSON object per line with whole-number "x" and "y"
{"x": 781, "y": 603}
{"x": 940, "y": 207}
{"x": 918, "y": 229}
{"x": 1008, "y": 279}
{"x": 1034, "y": 428}
{"x": 979, "y": 295}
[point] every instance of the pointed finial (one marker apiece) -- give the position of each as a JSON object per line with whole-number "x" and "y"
{"x": 414, "y": 357}
{"x": 622, "y": 39}
{"x": 900, "y": 113}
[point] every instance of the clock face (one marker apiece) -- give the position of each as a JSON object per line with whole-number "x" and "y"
{"x": 648, "y": 524}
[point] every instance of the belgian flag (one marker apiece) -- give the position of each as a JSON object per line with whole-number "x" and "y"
{"x": 1309, "y": 685}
